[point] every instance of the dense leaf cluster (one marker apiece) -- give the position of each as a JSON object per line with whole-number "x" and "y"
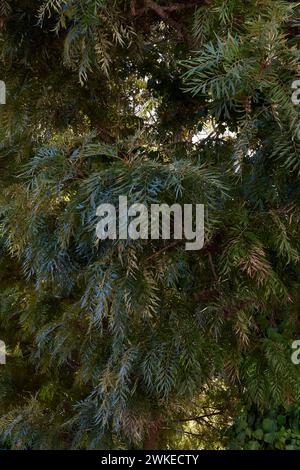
{"x": 136, "y": 344}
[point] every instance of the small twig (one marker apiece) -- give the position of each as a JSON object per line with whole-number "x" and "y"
{"x": 212, "y": 266}
{"x": 182, "y": 6}
{"x": 168, "y": 247}
{"x": 199, "y": 418}
{"x": 189, "y": 433}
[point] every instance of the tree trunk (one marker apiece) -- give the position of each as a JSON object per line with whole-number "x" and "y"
{"x": 152, "y": 439}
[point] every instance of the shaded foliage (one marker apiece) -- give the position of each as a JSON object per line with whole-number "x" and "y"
{"x": 115, "y": 345}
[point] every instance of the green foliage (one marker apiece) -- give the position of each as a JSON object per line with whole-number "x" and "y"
{"x": 112, "y": 343}
{"x": 95, "y": 30}
{"x": 275, "y": 430}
